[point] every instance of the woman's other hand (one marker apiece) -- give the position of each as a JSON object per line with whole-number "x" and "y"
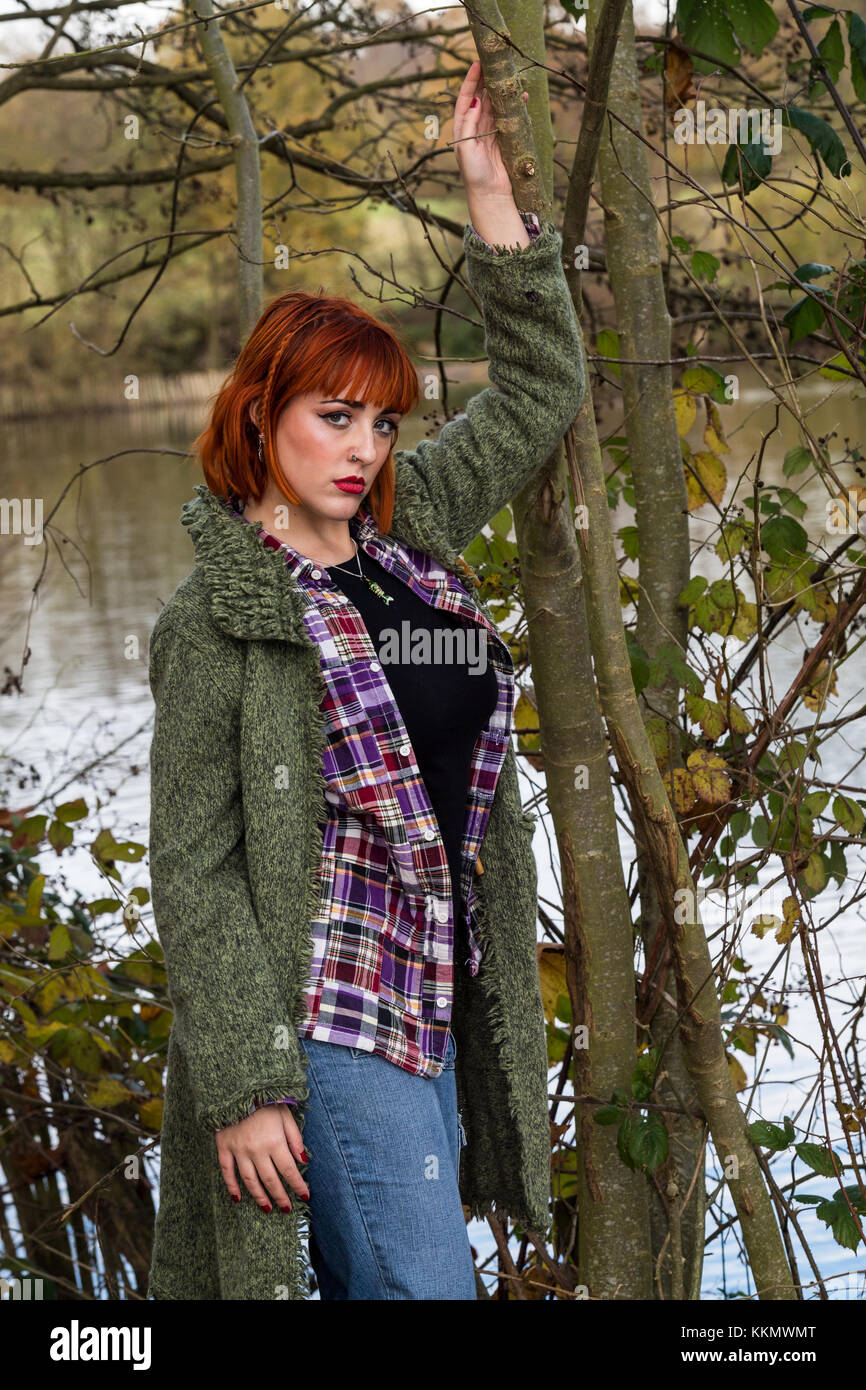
{"x": 489, "y": 195}
{"x": 266, "y": 1147}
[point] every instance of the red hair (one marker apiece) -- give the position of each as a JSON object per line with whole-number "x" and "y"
{"x": 303, "y": 342}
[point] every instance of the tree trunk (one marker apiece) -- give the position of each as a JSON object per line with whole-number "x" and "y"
{"x": 661, "y": 513}
{"x": 613, "y": 1228}
{"x": 248, "y": 182}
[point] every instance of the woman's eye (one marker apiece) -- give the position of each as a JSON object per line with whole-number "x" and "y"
{"x": 335, "y": 415}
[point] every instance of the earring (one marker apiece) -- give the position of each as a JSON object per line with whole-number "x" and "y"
{"x": 261, "y": 448}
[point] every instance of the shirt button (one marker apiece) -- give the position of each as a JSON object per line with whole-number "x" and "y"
{"x": 428, "y": 834}
{"x": 441, "y": 911}
{"x": 405, "y": 749}
{"x": 442, "y": 1002}
{"x": 374, "y": 666}
{"x": 317, "y": 574}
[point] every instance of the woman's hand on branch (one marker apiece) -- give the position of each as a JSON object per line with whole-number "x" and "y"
{"x": 489, "y": 195}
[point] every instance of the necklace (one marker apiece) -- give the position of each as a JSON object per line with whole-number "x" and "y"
{"x": 371, "y": 583}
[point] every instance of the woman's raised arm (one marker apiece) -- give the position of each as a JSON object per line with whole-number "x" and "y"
{"x": 448, "y": 488}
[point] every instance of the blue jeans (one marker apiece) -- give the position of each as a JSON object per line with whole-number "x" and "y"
{"x": 386, "y": 1220}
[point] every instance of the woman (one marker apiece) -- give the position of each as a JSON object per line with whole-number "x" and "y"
{"x": 331, "y": 753}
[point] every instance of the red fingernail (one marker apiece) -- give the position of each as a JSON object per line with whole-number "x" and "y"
{"x": 474, "y": 102}
{"x": 305, "y": 1156}
{"x": 285, "y": 1209}
{"x": 267, "y": 1209}
{"x": 235, "y": 1198}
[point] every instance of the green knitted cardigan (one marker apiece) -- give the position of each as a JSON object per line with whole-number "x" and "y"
{"x": 237, "y": 806}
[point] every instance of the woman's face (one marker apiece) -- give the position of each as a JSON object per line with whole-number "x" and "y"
{"x": 316, "y": 439}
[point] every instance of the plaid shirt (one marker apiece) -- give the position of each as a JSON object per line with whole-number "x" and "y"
{"x": 382, "y": 968}
{"x": 383, "y": 938}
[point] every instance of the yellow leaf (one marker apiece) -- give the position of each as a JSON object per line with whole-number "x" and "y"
{"x": 821, "y": 687}
{"x": 745, "y": 623}
{"x": 767, "y": 921}
{"x": 551, "y": 974}
{"x": 628, "y": 590}
{"x": 685, "y": 410}
{"x": 738, "y": 1076}
{"x": 710, "y": 776}
{"x": 107, "y": 1093}
{"x": 680, "y": 789}
{"x": 713, "y": 434}
{"x": 825, "y": 603}
{"x": 150, "y": 1113}
{"x": 706, "y": 480}
{"x": 747, "y": 1037}
{"x": 791, "y": 914}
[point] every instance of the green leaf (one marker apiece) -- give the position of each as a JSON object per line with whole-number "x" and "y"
{"x": 754, "y": 22}
{"x": 648, "y": 1142}
{"x": 803, "y": 318}
{"x": 768, "y": 1135}
{"x": 818, "y": 1158}
{"x": 832, "y": 51}
{"x": 692, "y": 591}
{"x": 669, "y": 661}
{"x": 607, "y": 346}
{"x": 822, "y": 138}
{"x": 704, "y": 25}
{"x": 607, "y": 1115}
{"x": 857, "y": 45}
{"x": 831, "y": 368}
{"x": 640, "y": 662}
{"x": 59, "y": 944}
{"x": 848, "y": 814}
{"x": 815, "y": 803}
{"x": 754, "y": 161}
{"x": 796, "y": 460}
{"x": 628, "y": 535}
{"x": 791, "y": 501}
{"x": 835, "y": 1214}
{"x": 814, "y": 875}
{"x": 836, "y": 865}
{"x": 783, "y": 538}
{"x": 701, "y": 379}
{"x": 705, "y": 265}
{"x": 812, "y": 270}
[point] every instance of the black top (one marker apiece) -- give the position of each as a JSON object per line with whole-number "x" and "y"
{"x": 444, "y": 704}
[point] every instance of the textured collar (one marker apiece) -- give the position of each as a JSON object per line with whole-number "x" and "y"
{"x": 252, "y": 592}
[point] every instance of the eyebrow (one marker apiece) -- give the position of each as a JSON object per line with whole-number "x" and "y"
{"x": 359, "y": 405}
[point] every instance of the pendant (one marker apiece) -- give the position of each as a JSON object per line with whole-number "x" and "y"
{"x": 379, "y": 591}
